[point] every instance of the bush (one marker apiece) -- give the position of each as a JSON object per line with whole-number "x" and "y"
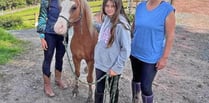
{"x": 9, "y": 22}
{"x": 131, "y": 17}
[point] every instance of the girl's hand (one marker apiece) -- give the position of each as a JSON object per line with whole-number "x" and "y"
{"x": 44, "y": 44}
{"x": 98, "y": 17}
{"x": 112, "y": 73}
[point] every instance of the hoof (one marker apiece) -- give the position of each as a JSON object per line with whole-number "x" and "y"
{"x": 75, "y": 92}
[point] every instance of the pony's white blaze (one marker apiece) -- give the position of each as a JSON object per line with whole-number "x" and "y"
{"x": 60, "y": 26}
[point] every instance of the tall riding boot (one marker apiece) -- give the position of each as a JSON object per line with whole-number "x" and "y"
{"x": 47, "y": 86}
{"x": 136, "y": 88}
{"x": 98, "y": 97}
{"x": 58, "y": 80}
{"x": 147, "y": 99}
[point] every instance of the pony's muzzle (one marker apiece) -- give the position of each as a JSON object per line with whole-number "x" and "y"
{"x": 60, "y": 27}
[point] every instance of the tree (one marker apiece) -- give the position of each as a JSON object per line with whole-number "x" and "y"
{"x": 2, "y": 5}
{"x": 12, "y": 4}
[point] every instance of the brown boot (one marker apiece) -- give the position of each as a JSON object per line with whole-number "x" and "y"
{"x": 47, "y": 87}
{"x": 58, "y": 80}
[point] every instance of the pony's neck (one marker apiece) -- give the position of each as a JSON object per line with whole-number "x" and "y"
{"x": 85, "y": 24}
{"x": 81, "y": 27}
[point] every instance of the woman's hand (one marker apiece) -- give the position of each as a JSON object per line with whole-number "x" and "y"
{"x": 44, "y": 44}
{"x": 161, "y": 63}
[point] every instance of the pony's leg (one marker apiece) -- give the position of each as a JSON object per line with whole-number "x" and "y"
{"x": 90, "y": 65}
{"x": 77, "y": 72}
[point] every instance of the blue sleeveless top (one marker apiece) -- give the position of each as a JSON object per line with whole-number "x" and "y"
{"x": 149, "y": 34}
{"x": 52, "y": 15}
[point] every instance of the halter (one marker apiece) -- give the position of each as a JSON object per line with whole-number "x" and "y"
{"x": 70, "y": 23}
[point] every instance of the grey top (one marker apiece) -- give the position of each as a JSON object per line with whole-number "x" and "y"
{"x": 115, "y": 56}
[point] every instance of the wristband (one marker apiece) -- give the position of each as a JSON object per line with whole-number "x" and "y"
{"x": 41, "y": 36}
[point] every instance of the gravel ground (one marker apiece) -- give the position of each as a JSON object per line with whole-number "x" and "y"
{"x": 184, "y": 80}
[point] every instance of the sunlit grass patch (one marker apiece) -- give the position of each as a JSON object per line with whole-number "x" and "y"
{"x": 9, "y": 46}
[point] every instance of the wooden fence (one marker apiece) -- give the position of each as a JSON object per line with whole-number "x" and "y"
{"x": 129, "y": 6}
{"x": 96, "y": 7}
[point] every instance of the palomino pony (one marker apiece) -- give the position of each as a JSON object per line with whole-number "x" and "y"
{"x": 77, "y": 13}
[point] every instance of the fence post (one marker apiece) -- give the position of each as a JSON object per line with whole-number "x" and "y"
{"x": 171, "y": 2}
{"x": 35, "y": 19}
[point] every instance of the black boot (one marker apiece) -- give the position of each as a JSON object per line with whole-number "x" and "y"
{"x": 147, "y": 99}
{"x": 136, "y": 88}
{"x": 98, "y": 97}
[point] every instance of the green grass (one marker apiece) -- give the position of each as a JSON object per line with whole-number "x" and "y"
{"x": 93, "y": 3}
{"x": 9, "y": 46}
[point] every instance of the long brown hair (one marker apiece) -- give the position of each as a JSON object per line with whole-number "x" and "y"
{"x": 119, "y": 9}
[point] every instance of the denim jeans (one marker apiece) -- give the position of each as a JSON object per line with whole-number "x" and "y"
{"x": 143, "y": 73}
{"x": 54, "y": 42}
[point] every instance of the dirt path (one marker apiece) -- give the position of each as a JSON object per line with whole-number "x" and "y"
{"x": 184, "y": 80}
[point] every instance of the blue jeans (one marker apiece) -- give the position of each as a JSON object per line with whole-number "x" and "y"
{"x": 143, "y": 73}
{"x": 53, "y": 42}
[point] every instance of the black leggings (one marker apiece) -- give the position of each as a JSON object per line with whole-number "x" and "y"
{"x": 53, "y": 42}
{"x": 143, "y": 73}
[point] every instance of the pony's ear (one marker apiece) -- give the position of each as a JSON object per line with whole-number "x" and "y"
{"x": 59, "y": 3}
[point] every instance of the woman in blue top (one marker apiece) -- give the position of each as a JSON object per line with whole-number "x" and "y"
{"x": 112, "y": 49}
{"x": 50, "y": 41}
{"x": 153, "y": 35}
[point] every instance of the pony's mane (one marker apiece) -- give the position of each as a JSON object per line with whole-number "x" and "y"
{"x": 87, "y": 14}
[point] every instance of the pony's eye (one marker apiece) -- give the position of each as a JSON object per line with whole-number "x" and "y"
{"x": 73, "y": 8}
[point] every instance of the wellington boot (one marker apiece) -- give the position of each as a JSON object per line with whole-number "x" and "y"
{"x": 136, "y": 88}
{"x": 147, "y": 99}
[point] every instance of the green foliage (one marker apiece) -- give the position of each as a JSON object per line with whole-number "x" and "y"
{"x": 13, "y": 4}
{"x": 9, "y": 46}
{"x": 10, "y": 22}
{"x": 32, "y": 2}
{"x": 2, "y": 5}
{"x": 130, "y": 17}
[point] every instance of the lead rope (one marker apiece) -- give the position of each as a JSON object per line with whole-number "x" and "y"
{"x": 107, "y": 89}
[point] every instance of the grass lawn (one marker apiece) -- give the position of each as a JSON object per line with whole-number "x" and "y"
{"x": 9, "y": 46}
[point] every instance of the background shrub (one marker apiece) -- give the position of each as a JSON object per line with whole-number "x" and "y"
{"x": 9, "y": 22}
